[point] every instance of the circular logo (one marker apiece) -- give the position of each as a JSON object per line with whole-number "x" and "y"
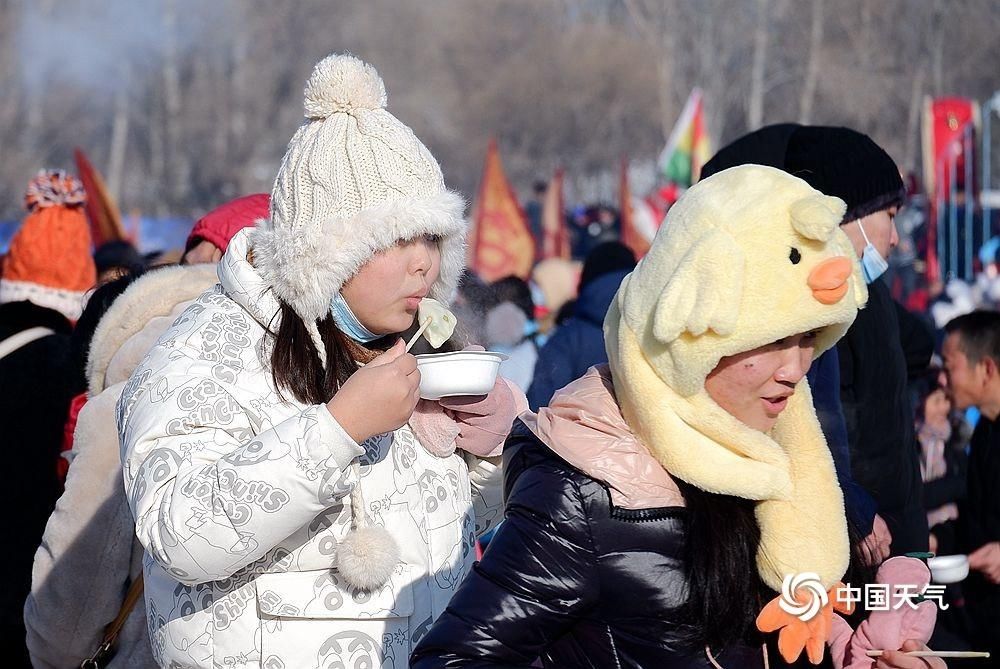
{"x": 805, "y": 585}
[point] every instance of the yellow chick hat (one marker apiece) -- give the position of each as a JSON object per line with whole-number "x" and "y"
{"x": 746, "y": 257}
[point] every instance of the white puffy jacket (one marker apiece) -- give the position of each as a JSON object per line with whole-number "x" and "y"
{"x": 240, "y": 499}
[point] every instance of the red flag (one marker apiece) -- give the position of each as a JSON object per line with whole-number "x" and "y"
{"x": 946, "y": 122}
{"x": 105, "y": 219}
{"x": 500, "y": 242}
{"x": 555, "y": 239}
{"x": 631, "y": 237}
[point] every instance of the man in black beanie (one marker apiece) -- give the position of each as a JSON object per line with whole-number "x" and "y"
{"x": 885, "y": 344}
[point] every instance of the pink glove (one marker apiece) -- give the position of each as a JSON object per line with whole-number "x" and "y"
{"x": 484, "y": 423}
{"x": 476, "y": 424}
{"x": 886, "y": 630}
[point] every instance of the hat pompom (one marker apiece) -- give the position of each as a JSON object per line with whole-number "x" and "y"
{"x": 366, "y": 557}
{"x": 343, "y": 83}
{"x": 52, "y": 188}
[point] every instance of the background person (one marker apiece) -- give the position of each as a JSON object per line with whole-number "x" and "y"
{"x": 971, "y": 354}
{"x": 885, "y": 346}
{"x": 46, "y": 275}
{"x": 577, "y": 344}
{"x": 89, "y": 554}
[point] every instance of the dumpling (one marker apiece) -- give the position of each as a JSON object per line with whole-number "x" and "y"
{"x": 442, "y": 322}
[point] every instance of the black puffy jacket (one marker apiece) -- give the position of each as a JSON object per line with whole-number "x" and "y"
{"x": 574, "y": 580}
{"x": 884, "y": 346}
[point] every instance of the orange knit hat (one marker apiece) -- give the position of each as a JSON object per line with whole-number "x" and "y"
{"x": 49, "y": 261}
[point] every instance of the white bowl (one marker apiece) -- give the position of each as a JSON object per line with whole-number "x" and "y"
{"x": 458, "y": 373}
{"x": 949, "y": 568}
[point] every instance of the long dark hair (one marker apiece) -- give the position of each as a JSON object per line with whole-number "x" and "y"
{"x": 925, "y": 386}
{"x": 725, "y": 592}
{"x": 295, "y": 364}
{"x": 97, "y": 305}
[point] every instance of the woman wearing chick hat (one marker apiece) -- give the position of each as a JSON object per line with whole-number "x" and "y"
{"x": 291, "y": 516}
{"x": 860, "y": 387}
{"x": 656, "y": 507}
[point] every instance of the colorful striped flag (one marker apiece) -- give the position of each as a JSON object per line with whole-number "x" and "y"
{"x": 500, "y": 242}
{"x": 688, "y": 147}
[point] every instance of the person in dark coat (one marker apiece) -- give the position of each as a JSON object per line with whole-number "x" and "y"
{"x": 578, "y": 344}
{"x": 71, "y": 603}
{"x": 884, "y": 454}
{"x": 769, "y": 146}
{"x": 971, "y": 353}
{"x": 533, "y": 210}
{"x": 42, "y": 289}
{"x": 657, "y": 505}
{"x": 944, "y": 436}
{"x": 885, "y": 346}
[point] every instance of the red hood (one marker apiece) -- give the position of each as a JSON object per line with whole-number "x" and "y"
{"x": 219, "y": 225}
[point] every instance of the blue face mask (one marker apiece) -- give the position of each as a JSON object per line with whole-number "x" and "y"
{"x": 873, "y": 265}
{"x": 347, "y": 322}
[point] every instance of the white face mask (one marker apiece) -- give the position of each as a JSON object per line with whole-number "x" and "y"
{"x": 873, "y": 265}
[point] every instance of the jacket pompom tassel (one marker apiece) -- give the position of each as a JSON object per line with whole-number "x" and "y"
{"x": 366, "y": 557}
{"x": 368, "y": 554}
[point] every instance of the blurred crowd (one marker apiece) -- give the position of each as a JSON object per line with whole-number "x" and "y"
{"x": 906, "y": 401}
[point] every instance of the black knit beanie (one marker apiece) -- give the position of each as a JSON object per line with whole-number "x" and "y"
{"x": 766, "y": 146}
{"x": 846, "y": 164}
{"x": 835, "y": 161}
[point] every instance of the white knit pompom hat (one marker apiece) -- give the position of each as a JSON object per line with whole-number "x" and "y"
{"x": 354, "y": 181}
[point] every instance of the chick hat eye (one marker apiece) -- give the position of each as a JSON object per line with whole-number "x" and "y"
{"x": 794, "y": 256}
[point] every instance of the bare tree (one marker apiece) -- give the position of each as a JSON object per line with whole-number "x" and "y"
{"x": 119, "y": 135}
{"x": 176, "y": 163}
{"x": 937, "y": 47}
{"x": 657, "y": 22}
{"x": 755, "y": 101}
{"x": 813, "y": 63}
{"x": 910, "y": 157}
{"x": 214, "y": 90}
